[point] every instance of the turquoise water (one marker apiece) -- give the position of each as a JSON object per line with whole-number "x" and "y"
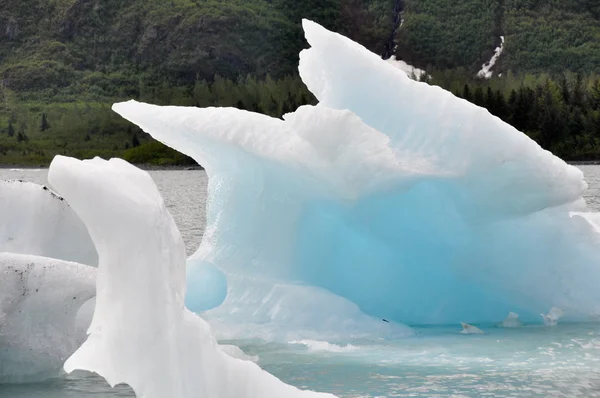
{"x": 439, "y": 362}
{"x": 532, "y": 361}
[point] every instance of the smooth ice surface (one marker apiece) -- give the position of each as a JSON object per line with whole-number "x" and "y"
{"x": 34, "y": 220}
{"x": 141, "y": 333}
{"x": 391, "y": 194}
{"x": 206, "y": 286}
{"x": 39, "y": 301}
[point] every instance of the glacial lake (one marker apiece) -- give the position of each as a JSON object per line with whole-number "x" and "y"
{"x": 532, "y": 361}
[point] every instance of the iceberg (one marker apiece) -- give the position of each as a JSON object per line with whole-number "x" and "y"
{"x": 395, "y": 198}
{"x": 39, "y": 301}
{"x": 141, "y": 333}
{"x": 552, "y": 317}
{"x": 37, "y": 221}
{"x": 470, "y": 329}
{"x": 511, "y": 321}
{"x": 45, "y": 290}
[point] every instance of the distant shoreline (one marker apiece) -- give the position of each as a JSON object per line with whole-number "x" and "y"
{"x": 147, "y": 167}
{"x": 151, "y": 167}
{"x": 585, "y": 162}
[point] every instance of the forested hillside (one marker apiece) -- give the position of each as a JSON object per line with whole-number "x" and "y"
{"x": 63, "y": 62}
{"x": 68, "y": 60}
{"x": 549, "y": 36}
{"x": 111, "y": 47}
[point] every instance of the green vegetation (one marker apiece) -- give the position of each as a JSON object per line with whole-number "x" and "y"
{"x": 32, "y": 133}
{"x": 64, "y": 62}
{"x": 561, "y": 112}
{"x": 550, "y": 36}
{"x": 448, "y": 33}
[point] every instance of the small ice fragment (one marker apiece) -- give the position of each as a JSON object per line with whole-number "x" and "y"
{"x": 512, "y": 321}
{"x": 551, "y": 319}
{"x": 470, "y": 329}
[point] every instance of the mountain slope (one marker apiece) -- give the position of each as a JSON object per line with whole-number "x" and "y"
{"x": 63, "y": 62}
{"x": 54, "y": 44}
{"x": 541, "y": 36}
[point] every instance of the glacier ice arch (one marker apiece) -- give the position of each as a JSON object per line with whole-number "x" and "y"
{"x": 390, "y": 196}
{"x": 141, "y": 333}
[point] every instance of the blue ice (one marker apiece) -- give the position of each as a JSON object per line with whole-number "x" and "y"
{"x": 391, "y": 196}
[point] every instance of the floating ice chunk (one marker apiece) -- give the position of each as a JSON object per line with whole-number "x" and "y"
{"x": 470, "y": 329}
{"x": 552, "y": 317}
{"x": 318, "y": 345}
{"x": 593, "y": 219}
{"x": 511, "y": 321}
{"x": 141, "y": 333}
{"x": 236, "y": 352}
{"x": 34, "y": 220}
{"x": 39, "y": 301}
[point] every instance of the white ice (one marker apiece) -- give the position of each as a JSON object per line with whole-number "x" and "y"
{"x": 34, "y": 220}
{"x": 236, "y": 352}
{"x": 39, "y": 301}
{"x": 552, "y": 317}
{"x": 511, "y": 321}
{"x": 40, "y": 296}
{"x": 141, "y": 333}
{"x": 470, "y": 329}
{"x": 486, "y": 71}
{"x": 318, "y": 345}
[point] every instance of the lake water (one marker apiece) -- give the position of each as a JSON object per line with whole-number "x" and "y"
{"x": 531, "y": 361}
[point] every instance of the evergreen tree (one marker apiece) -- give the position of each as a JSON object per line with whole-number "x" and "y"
{"x": 240, "y": 105}
{"x": 44, "y": 125}
{"x": 552, "y": 123}
{"x": 11, "y": 130}
{"x": 578, "y": 97}
{"x": 489, "y": 101}
{"x": 576, "y": 123}
{"x": 512, "y": 106}
{"x": 20, "y": 137}
{"x": 467, "y": 93}
{"x": 478, "y": 97}
{"x": 564, "y": 89}
{"x": 595, "y": 95}
{"x": 500, "y": 105}
{"x": 522, "y": 110}
{"x": 134, "y": 141}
